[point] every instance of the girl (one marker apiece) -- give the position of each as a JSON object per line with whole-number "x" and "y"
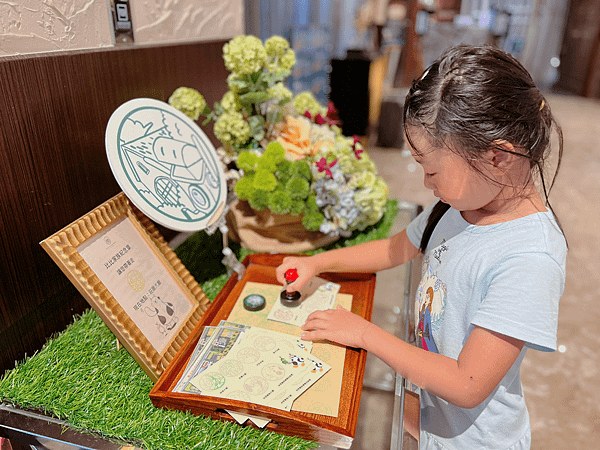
{"x": 494, "y": 254}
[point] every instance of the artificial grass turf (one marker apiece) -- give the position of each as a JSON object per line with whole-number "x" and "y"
{"x": 80, "y": 376}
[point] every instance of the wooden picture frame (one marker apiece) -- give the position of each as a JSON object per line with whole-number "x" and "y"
{"x": 152, "y": 340}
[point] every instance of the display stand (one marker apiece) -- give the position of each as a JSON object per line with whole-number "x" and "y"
{"x": 28, "y": 430}
{"x": 334, "y": 431}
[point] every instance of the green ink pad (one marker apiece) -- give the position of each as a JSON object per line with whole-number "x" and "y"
{"x": 254, "y": 302}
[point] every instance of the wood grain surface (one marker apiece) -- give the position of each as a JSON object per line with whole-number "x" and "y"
{"x": 54, "y": 109}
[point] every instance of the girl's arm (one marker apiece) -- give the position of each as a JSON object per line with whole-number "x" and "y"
{"x": 368, "y": 257}
{"x": 465, "y": 382}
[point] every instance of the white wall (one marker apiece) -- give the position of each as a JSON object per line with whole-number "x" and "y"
{"x": 159, "y": 21}
{"x": 35, "y": 26}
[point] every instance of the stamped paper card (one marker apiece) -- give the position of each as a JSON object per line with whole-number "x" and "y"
{"x": 319, "y": 295}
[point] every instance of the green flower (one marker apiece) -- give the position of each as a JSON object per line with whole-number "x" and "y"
{"x": 306, "y": 101}
{"x": 247, "y": 161}
{"x": 244, "y": 187}
{"x": 244, "y": 55}
{"x": 287, "y": 61}
{"x": 189, "y": 101}
{"x": 259, "y": 200}
{"x": 236, "y": 83}
{"x": 279, "y": 202}
{"x": 297, "y": 188}
{"x": 264, "y": 180}
{"x": 371, "y": 201}
{"x": 231, "y": 129}
{"x": 276, "y": 46}
{"x": 362, "y": 179}
{"x": 230, "y": 102}
{"x": 280, "y": 91}
{"x": 312, "y": 220}
{"x": 280, "y": 56}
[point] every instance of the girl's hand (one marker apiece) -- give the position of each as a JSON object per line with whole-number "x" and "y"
{"x": 337, "y": 325}
{"x": 305, "y": 268}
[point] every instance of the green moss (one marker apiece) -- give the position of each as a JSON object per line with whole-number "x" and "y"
{"x": 283, "y": 171}
{"x": 297, "y": 207}
{"x": 301, "y": 168}
{"x": 267, "y": 164}
{"x": 311, "y": 203}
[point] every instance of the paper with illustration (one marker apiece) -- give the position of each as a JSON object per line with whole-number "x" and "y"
{"x": 324, "y": 396}
{"x": 264, "y": 367}
{"x": 317, "y": 295}
{"x": 213, "y": 344}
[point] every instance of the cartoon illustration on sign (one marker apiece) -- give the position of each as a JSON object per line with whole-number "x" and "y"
{"x": 165, "y": 165}
{"x": 164, "y": 312}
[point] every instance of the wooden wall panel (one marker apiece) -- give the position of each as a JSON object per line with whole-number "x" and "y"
{"x": 53, "y": 167}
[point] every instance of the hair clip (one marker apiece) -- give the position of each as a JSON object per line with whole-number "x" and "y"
{"x": 542, "y": 105}
{"x": 425, "y": 73}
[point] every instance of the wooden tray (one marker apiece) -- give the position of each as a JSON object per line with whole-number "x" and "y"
{"x": 335, "y": 431}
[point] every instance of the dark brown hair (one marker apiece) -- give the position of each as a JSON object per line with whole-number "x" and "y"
{"x": 473, "y": 96}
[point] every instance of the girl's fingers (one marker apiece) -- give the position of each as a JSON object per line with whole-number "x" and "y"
{"x": 282, "y": 268}
{"x": 314, "y": 324}
{"x": 311, "y": 336}
{"x": 304, "y": 270}
{"x": 316, "y": 315}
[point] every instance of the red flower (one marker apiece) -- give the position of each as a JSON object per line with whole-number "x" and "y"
{"x": 324, "y": 167}
{"x": 330, "y": 118}
{"x": 332, "y": 114}
{"x": 357, "y": 151}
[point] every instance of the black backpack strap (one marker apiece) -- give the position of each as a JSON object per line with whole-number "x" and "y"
{"x": 438, "y": 210}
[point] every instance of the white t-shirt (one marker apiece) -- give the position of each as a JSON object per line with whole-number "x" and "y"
{"x": 506, "y": 277}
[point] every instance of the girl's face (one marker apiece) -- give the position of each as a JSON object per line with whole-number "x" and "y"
{"x": 452, "y": 179}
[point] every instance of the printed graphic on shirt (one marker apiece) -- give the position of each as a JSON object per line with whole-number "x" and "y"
{"x": 437, "y": 253}
{"x": 430, "y": 306}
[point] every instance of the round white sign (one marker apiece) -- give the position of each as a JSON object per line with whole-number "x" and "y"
{"x": 165, "y": 165}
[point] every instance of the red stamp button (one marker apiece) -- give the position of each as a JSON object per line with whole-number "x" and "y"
{"x": 291, "y": 275}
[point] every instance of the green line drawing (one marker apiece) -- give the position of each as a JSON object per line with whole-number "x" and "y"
{"x": 165, "y": 164}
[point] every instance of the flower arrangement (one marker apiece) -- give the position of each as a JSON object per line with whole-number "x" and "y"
{"x": 290, "y": 154}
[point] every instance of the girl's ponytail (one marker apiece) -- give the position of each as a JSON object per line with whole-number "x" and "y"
{"x": 438, "y": 210}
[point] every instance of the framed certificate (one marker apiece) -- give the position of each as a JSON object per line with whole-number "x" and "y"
{"x": 123, "y": 267}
